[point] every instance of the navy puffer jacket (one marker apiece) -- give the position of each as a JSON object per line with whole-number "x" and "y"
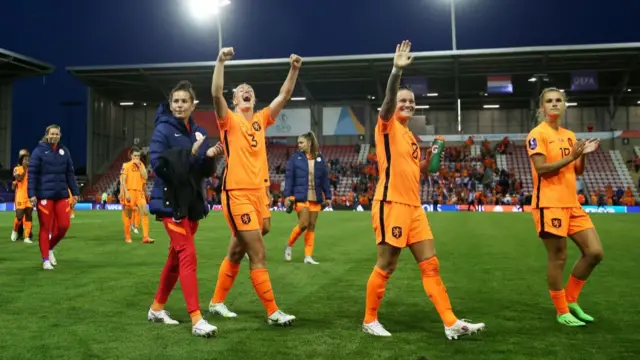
{"x": 171, "y": 133}
{"x": 51, "y": 173}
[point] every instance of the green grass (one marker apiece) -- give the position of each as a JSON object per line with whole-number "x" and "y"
{"x": 94, "y": 304}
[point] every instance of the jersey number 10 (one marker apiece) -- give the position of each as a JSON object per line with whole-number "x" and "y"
{"x": 565, "y": 151}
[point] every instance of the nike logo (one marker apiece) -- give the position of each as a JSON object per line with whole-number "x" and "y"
{"x": 551, "y": 142}
{"x": 176, "y": 135}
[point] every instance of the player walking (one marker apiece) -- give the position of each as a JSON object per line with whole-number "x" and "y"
{"x": 398, "y": 218}
{"x": 243, "y": 185}
{"x": 556, "y": 158}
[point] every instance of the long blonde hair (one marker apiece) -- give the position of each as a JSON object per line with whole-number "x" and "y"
{"x": 540, "y": 113}
{"x": 313, "y": 143}
{"x": 46, "y": 132}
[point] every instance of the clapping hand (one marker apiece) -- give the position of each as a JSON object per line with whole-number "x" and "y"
{"x": 215, "y": 150}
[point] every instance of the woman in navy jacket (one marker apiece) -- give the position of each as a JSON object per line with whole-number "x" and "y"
{"x": 51, "y": 176}
{"x": 307, "y": 183}
{"x": 182, "y": 159}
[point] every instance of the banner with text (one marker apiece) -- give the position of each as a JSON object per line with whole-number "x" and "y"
{"x": 291, "y": 122}
{"x": 584, "y": 80}
{"x": 345, "y": 120}
{"x": 602, "y": 135}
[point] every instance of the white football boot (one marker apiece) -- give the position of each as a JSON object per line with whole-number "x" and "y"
{"x": 204, "y": 329}
{"x": 52, "y": 258}
{"x": 462, "y": 327}
{"x": 281, "y": 318}
{"x": 375, "y": 328}
{"x": 309, "y": 260}
{"x": 221, "y": 309}
{"x": 287, "y": 253}
{"x": 161, "y": 316}
{"x": 47, "y": 265}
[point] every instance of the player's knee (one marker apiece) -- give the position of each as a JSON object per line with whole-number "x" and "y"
{"x": 189, "y": 263}
{"x": 235, "y": 255}
{"x": 303, "y": 225}
{"x": 311, "y": 226}
{"x": 258, "y": 260}
{"x": 387, "y": 265}
{"x": 595, "y": 256}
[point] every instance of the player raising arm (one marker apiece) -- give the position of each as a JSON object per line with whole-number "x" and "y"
{"x": 556, "y": 159}
{"x": 243, "y": 185}
{"x": 397, "y": 215}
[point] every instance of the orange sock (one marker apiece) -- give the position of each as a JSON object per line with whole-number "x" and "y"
{"x": 127, "y": 225}
{"x": 195, "y": 316}
{"x": 145, "y": 226}
{"x": 435, "y": 289}
{"x": 135, "y": 219}
{"x": 156, "y": 306}
{"x": 226, "y": 276}
{"x": 16, "y": 224}
{"x": 309, "y": 240}
{"x": 559, "y": 301}
{"x": 376, "y": 287}
{"x": 262, "y": 286}
{"x": 574, "y": 287}
{"x": 27, "y": 229}
{"x": 295, "y": 234}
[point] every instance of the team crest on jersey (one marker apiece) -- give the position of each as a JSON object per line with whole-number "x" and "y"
{"x": 570, "y": 142}
{"x": 245, "y": 218}
{"x": 396, "y": 232}
{"x": 556, "y": 223}
{"x": 43, "y": 202}
{"x": 533, "y": 144}
{"x": 415, "y": 149}
{"x": 256, "y": 126}
{"x": 61, "y": 152}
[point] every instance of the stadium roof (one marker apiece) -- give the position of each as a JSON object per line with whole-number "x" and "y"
{"x": 13, "y": 66}
{"x": 360, "y": 77}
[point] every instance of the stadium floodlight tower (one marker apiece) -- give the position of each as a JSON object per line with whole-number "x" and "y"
{"x": 204, "y": 9}
{"x": 454, "y": 42}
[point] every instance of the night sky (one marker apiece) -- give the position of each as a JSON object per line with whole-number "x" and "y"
{"x": 98, "y": 32}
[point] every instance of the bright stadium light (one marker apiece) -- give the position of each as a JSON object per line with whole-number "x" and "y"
{"x": 203, "y": 9}
{"x": 126, "y": 103}
{"x": 298, "y": 98}
{"x": 572, "y": 104}
{"x": 491, "y": 106}
{"x": 432, "y": 94}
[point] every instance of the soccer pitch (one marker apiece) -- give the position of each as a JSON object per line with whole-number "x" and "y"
{"x": 94, "y": 304}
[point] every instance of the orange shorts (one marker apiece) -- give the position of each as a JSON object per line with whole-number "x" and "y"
{"x": 22, "y": 202}
{"x": 561, "y": 221}
{"x": 137, "y": 199}
{"x": 399, "y": 225}
{"x": 244, "y": 209}
{"x": 267, "y": 203}
{"x": 312, "y": 205}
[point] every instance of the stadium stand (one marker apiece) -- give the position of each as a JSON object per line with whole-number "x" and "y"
{"x": 107, "y": 182}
